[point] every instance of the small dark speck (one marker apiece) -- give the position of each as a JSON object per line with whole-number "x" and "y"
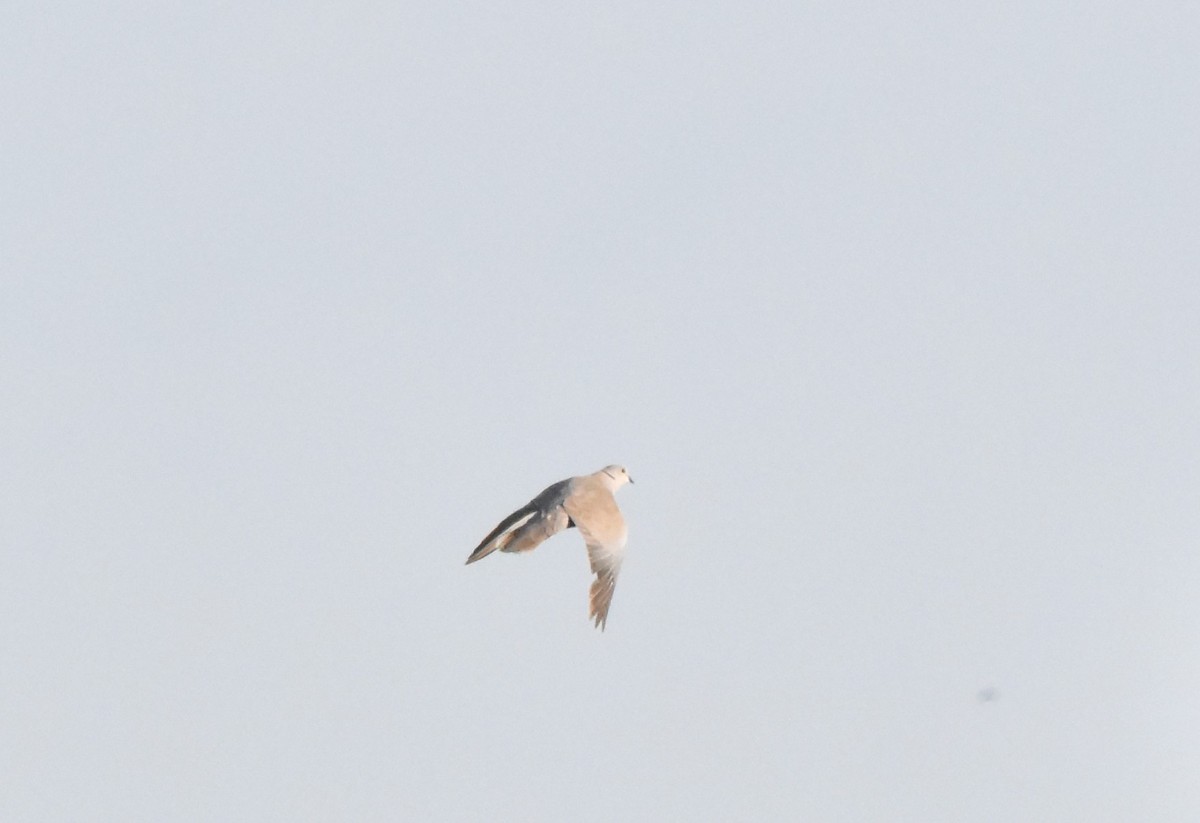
{"x": 988, "y": 695}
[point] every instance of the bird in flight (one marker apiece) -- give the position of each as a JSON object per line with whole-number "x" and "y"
{"x": 585, "y": 503}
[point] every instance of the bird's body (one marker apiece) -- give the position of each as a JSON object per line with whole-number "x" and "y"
{"x": 584, "y": 502}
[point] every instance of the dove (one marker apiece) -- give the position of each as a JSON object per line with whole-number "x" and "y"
{"x": 585, "y": 503}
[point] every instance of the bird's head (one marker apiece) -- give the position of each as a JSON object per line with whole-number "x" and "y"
{"x": 616, "y": 475}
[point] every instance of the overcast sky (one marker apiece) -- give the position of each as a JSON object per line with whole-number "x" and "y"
{"x": 892, "y": 311}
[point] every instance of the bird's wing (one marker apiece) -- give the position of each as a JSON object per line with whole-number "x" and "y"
{"x": 594, "y": 511}
{"x": 528, "y": 526}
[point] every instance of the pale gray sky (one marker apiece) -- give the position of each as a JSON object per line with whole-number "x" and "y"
{"x": 892, "y": 312}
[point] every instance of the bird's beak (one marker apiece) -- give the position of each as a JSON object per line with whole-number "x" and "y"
{"x": 630, "y": 479}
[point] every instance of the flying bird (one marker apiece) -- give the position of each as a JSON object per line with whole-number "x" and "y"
{"x": 584, "y": 502}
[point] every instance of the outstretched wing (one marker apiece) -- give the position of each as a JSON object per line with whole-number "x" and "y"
{"x": 527, "y": 527}
{"x": 595, "y": 513}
